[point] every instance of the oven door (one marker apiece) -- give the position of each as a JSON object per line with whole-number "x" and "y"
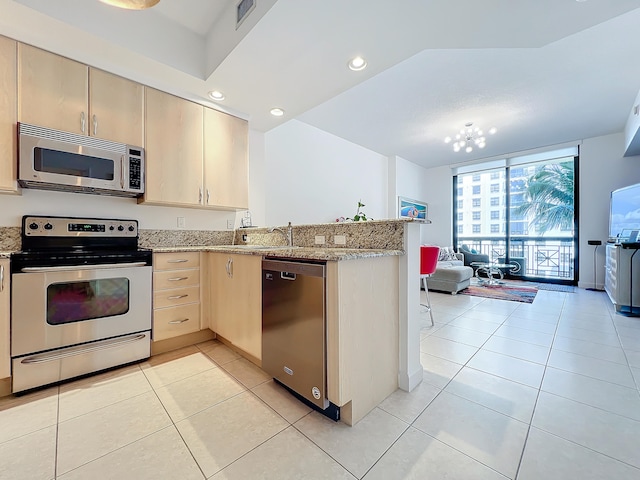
{"x": 55, "y": 307}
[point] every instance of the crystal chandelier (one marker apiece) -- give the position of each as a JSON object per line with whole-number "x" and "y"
{"x": 469, "y": 137}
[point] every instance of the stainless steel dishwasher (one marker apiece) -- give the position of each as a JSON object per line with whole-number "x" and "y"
{"x": 294, "y": 329}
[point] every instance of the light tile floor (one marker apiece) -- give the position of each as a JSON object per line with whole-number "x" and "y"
{"x": 547, "y": 390}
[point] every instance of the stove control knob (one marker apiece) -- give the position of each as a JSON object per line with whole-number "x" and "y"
{"x": 48, "y": 226}
{"x": 131, "y": 229}
{"x": 112, "y": 227}
{"x": 120, "y": 228}
{"x": 33, "y": 226}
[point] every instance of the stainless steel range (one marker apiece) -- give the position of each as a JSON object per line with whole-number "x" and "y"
{"x": 81, "y": 299}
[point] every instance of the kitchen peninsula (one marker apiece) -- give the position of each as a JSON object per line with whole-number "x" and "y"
{"x": 366, "y": 341}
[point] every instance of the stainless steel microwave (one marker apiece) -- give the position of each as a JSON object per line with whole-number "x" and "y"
{"x": 55, "y": 160}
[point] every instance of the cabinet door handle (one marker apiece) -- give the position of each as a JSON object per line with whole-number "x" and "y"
{"x": 179, "y": 260}
{"x": 229, "y": 268}
{"x": 200, "y": 195}
{"x": 174, "y": 322}
{"x": 177, "y": 279}
{"x": 176, "y": 297}
{"x": 95, "y": 125}
{"x": 208, "y": 196}
{"x": 1, "y": 278}
{"x": 82, "y": 121}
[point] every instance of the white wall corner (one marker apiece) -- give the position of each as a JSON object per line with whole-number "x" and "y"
{"x": 410, "y": 368}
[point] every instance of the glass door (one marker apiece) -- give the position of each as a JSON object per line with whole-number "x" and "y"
{"x": 523, "y": 215}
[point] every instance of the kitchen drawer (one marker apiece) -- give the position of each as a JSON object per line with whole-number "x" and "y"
{"x": 175, "y": 321}
{"x": 177, "y": 296}
{"x": 177, "y": 260}
{"x": 175, "y": 278}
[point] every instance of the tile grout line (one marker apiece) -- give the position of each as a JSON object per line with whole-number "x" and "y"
{"x": 173, "y": 424}
{"x": 535, "y": 404}
{"x": 55, "y": 458}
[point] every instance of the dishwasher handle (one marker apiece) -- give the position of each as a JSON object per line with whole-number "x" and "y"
{"x": 288, "y": 270}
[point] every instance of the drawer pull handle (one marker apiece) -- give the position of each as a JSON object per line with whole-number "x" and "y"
{"x": 175, "y": 297}
{"x": 178, "y": 260}
{"x": 177, "y": 279}
{"x": 173, "y": 322}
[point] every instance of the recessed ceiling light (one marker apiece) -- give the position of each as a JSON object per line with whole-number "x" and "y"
{"x": 131, "y": 4}
{"x": 216, "y": 95}
{"x": 277, "y": 112}
{"x": 357, "y": 63}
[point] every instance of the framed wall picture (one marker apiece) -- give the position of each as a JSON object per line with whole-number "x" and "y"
{"x": 414, "y": 209}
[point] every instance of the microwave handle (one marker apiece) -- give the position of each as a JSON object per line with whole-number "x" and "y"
{"x": 122, "y": 158}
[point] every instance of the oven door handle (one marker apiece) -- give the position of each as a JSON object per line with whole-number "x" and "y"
{"x": 69, "y": 268}
{"x": 70, "y": 352}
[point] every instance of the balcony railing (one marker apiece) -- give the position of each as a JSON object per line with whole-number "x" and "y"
{"x": 542, "y": 257}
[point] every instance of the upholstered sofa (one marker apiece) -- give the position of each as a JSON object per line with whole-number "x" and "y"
{"x": 470, "y": 256}
{"x": 450, "y": 275}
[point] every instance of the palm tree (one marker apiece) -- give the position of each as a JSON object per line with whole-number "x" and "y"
{"x": 548, "y": 197}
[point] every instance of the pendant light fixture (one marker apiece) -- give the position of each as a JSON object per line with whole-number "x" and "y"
{"x": 131, "y": 4}
{"x": 468, "y": 138}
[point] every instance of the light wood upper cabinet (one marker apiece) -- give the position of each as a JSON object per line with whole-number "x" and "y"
{"x": 226, "y": 169}
{"x": 173, "y": 149}
{"x": 116, "y": 108}
{"x": 52, "y": 90}
{"x": 5, "y": 354}
{"x": 8, "y": 115}
{"x": 236, "y": 300}
{"x": 62, "y": 94}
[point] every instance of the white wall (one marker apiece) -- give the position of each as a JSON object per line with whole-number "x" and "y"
{"x": 406, "y": 179}
{"x": 312, "y": 176}
{"x": 602, "y": 169}
{"x": 40, "y": 202}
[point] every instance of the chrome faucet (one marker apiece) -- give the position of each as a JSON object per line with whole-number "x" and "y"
{"x": 288, "y": 236}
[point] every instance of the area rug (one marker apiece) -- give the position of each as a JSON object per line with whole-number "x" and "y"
{"x": 502, "y": 292}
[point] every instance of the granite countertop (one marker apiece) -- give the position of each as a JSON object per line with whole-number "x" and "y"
{"x": 306, "y": 253}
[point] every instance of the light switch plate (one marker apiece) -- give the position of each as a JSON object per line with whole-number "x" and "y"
{"x": 339, "y": 240}
{"x": 319, "y": 240}
{"x": 181, "y": 222}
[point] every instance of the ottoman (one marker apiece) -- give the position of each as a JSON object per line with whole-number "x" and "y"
{"x": 450, "y": 279}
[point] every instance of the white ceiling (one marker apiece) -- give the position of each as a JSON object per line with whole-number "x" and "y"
{"x": 544, "y": 72}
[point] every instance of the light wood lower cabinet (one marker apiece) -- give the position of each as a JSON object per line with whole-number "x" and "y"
{"x": 362, "y": 334}
{"x": 176, "y": 294}
{"x": 8, "y": 116}
{"x": 5, "y": 353}
{"x": 236, "y": 300}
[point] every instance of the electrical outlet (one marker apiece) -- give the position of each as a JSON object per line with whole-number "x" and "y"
{"x": 181, "y": 222}
{"x": 244, "y": 237}
{"x": 319, "y": 239}
{"x": 339, "y": 240}
{"x": 229, "y": 224}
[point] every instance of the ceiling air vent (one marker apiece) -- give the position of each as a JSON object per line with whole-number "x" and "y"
{"x": 244, "y": 8}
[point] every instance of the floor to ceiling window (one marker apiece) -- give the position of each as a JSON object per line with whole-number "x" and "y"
{"x": 521, "y": 211}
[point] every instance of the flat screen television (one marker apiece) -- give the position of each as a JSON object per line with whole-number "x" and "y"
{"x": 624, "y": 216}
